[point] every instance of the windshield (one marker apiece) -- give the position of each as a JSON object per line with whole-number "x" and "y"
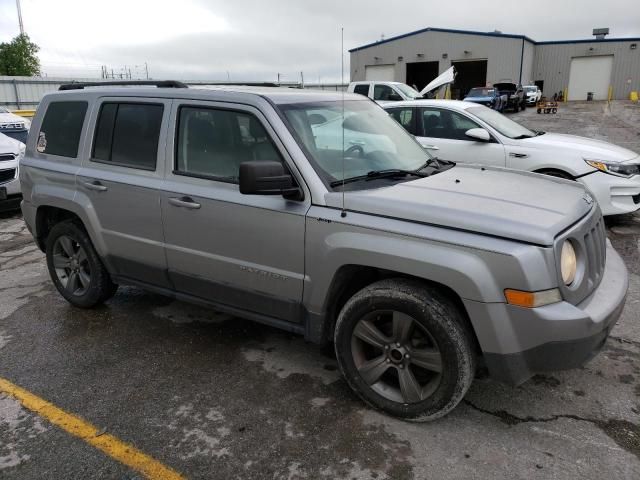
{"x": 408, "y": 91}
{"x": 530, "y": 89}
{"x": 502, "y": 124}
{"x": 480, "y": 92}
{"x": 372, "y": 139}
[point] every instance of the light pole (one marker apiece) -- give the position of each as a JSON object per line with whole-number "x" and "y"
{"x": 20, "y": 17}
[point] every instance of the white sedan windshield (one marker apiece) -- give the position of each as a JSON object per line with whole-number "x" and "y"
{"x": 502, "y": 124}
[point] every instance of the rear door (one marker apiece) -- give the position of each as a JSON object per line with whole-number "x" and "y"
{"x": 243, "y": 251}
{"x": 120, "y": 182}
{"x": 442, "y": 132}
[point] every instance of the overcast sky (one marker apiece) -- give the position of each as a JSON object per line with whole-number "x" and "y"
{"x": 257, "y": 39}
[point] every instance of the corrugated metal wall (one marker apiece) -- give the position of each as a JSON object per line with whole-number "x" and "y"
{"x": 502, "y": 54}
{"x": 26, "y": 92}
{"x": 553, "y": 62}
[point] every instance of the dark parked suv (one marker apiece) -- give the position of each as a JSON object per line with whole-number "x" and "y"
{"x": 318, "y": 213}
{"x": 515, "y": 95}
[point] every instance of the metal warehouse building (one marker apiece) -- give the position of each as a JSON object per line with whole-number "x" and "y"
{"x": 606, "y": 66}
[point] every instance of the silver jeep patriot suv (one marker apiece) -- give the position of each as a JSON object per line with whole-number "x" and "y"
{"x": 317, "y": 213}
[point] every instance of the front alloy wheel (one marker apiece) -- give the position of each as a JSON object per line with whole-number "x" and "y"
{"x": 396, "y": 356}
{"x": 405, "y": 347}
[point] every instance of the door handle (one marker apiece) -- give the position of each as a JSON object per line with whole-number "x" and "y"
{"x": 184, "y": 202}
{"x": 95, "y": 185}
{"x": 431, "y": 147}
{"x": 518, "y": 155}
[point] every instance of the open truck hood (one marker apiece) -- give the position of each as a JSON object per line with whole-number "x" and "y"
{"x": 448, "y": 76}
{"x": 505, "y": 203}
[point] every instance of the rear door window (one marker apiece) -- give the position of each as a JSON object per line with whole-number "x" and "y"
{"x": 127, "y": 134}
{"x": 61, "y": 129}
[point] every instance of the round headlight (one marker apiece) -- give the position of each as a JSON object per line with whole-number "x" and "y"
{"x": 568, "y": 263}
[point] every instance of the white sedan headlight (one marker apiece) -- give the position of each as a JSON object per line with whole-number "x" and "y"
{"x": 568, "y": 263}
{"x": 619, "y": 169}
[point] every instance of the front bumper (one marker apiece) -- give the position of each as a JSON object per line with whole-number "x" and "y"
{"x": 615, "y": 195}
{"x": 519, "y": 342}
{"x": 531, "y": 100}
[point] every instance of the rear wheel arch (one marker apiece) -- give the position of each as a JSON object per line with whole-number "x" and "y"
{"x": 47, "y": 217}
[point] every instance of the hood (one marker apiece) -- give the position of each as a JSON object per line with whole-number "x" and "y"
{"x": 14, "y": 119}
{"x": 9, "y": 145}
{"x": 505, "y": 203}
{"x": 585, "y": 147}
{"x": 448, "y": 76}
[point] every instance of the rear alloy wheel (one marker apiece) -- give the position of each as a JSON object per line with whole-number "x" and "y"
{"x": 76, "y": 268}
{"x": 403, "y": 348}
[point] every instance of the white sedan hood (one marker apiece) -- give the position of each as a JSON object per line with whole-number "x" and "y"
{"x": 587, "y": 147}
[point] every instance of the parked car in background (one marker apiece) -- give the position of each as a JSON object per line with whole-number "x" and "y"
{"x": 487, "y": 96}
{"x": 514, "y": 93}
{"x": 11, "y": 151}
{"x": 469, "y": 133}
{"x": 383, "y": 92}
{"x": 532, "y": 94}
{"x": 415, "y": 269}
{"x": 13, "y": 125}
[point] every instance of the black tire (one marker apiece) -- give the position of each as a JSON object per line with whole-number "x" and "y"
{"x": 438, "y": 329}
{"x": 83, "y": 270}
{"x": 554, "y": 110}
{"x": 539, "y": 110}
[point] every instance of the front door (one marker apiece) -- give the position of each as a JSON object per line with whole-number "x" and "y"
{"x": 120, "y": 182}
{"x": 442, "y": 132}
{"x": 244, "y": 251}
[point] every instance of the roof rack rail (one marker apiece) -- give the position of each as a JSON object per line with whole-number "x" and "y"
{"x": 156, "y": 83}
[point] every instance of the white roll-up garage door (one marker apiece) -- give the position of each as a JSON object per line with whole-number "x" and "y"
{"x": 590, "y": 74}
{"x": 381, "y": 73}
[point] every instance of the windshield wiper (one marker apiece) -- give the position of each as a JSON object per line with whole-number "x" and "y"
{"x": 376, "y": 174}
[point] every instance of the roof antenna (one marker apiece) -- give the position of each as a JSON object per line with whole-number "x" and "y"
{"x": 344, "y": 212}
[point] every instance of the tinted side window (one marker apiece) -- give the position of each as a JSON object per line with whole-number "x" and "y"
{"x": 361, "y": 89}
{"x": 61, "y": 128}
{"x": 127, "y": 134}
{"x": 445, "y": 124}
{"x": 461, "y": 124}
{"x": 405, "y": 117}
{"x": 212, "y": 143}
{"x": 382, "y": 92}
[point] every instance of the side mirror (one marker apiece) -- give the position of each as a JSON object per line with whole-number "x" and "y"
{"x": 266, "y": 178}
{"x": 479, "y": 134}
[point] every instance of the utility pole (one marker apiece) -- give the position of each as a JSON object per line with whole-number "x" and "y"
{"x": 20, "y": 17}
{"x": 302, "y": 79}
{"x": 278, "y": 78}
{"x": 146, "y": 70}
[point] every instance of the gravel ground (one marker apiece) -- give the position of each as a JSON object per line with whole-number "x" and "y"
{"x": 219, "y": 397}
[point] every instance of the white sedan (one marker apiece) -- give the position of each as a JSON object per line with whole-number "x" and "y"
{"x": 470, "y": 133}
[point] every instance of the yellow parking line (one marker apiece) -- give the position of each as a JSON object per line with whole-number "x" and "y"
{"x": 112, "y": 446}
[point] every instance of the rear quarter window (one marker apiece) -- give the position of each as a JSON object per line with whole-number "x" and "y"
{"x": 61, "y": 129}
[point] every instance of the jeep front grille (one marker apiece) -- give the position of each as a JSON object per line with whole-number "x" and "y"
{"x": 595, "y": 242}
{"x": 589, "y": 239}
{"x": 7, "y": 175}
{"x": 5, "y": 157}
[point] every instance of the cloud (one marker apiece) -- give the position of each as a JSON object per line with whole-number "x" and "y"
{"x": 257, "y": 39}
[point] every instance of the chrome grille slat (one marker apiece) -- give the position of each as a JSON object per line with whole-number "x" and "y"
{"x": 7, "y": 157}
{"x": 7, "y": 175}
